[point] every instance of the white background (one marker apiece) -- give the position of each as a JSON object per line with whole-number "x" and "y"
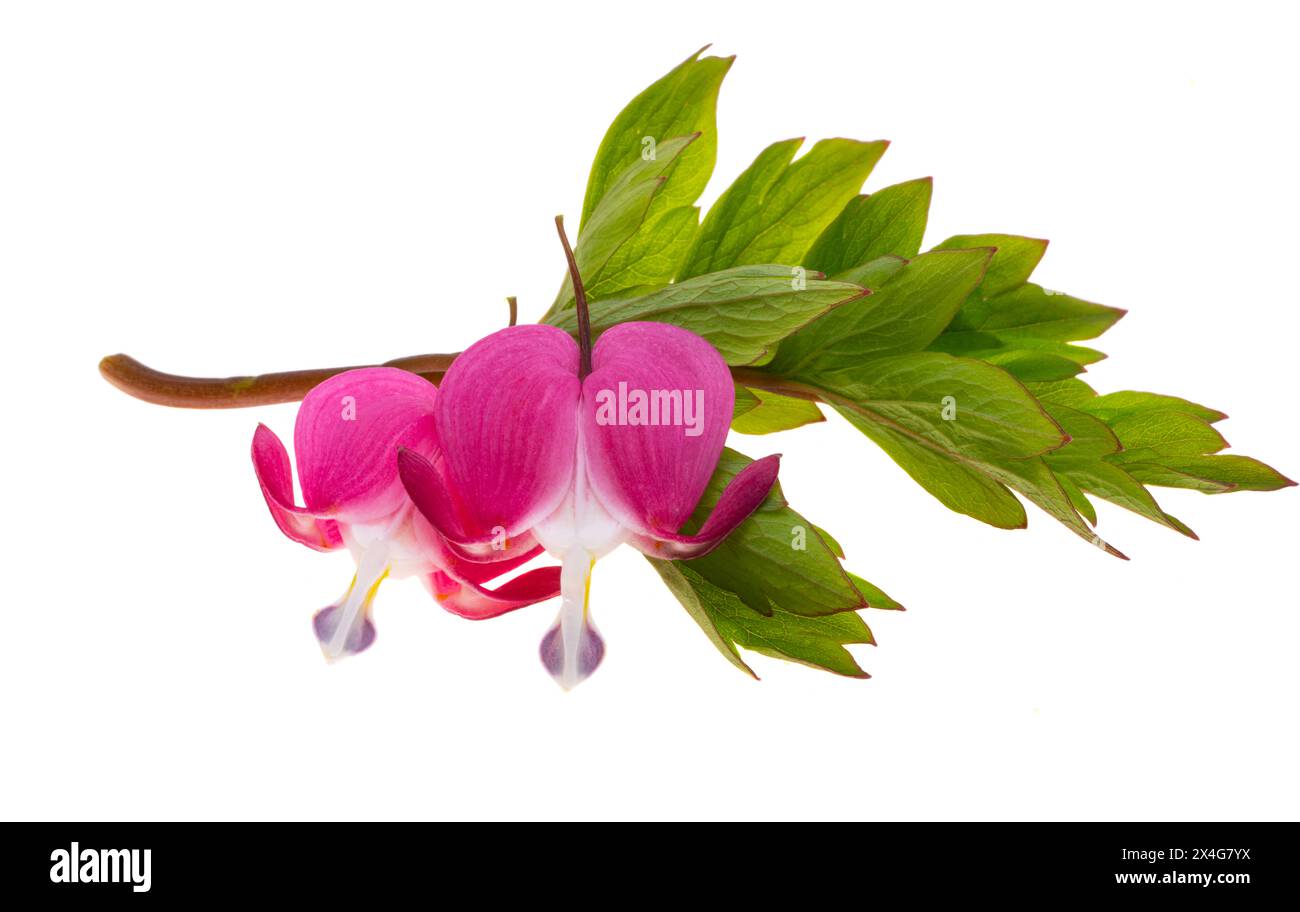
{"x": 239, "y": 187}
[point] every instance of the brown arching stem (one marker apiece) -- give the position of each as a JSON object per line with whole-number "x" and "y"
{"x": 178, "y": 391}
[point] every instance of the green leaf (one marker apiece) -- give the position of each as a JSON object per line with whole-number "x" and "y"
{"x": 1072, "y": 392}
{"x": 1150, "y": 436}
{"x": 1212, "y": 474}
{"x": 1035, "y": 480}
{"x": 1081, "y": 503}
{"x": 957, "y": 405}
{"x": 1112, "y": 483}
{"x": 728, "y": 622}
{"x": 745, "y": 402}
{"x": 904, "y": 315}
{"x": 742, "y": 312}
{"x": 776, "y": 209}
{"x": 1161, "y": 476}
{"x": 1129, "y": 402}
{"x": 1013, "y": 263}
{"x": 888, "y": 222}
{"x": 616, "y": 221}
{"x": 775, "y": 559}
{"x": 1079, "y": 467}
{"x": 1090, "y": 438}
{"x": 1029, "y": 366}
{"x": 1027, "y": 318}
{"x": 955, "y": 484}
{"x": 680, "y": 104}
{"x": 873, "y": 274}
{"x": 876, "y": 597}
{"x": 648, "y": 260}
{"x": 706, "y": 604}
{"x": 775, "y": 412}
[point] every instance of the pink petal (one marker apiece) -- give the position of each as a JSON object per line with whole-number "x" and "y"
{"x": 472, "y": 601}
{"x": 740, "y": 498}
{"x": 442, "y": 511}
{"x": 507, "y": 423}
{"x": 347, "y": 435}
{"x": 521, "y": 551}
{"x": 650, "y": 477}
{"x": 274, "y": 474}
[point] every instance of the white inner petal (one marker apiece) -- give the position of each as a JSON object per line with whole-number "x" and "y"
{"x": 393, "y": 535}
{"x": 578, "y": 532}
{"x": 581, "y": 521}
{"x": 372, "y": 567}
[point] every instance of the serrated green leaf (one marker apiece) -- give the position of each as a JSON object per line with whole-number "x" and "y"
{"x": 836, "y": 548}
{"x": 904, "y": 315}
{"x": 1157, "y": 434}
{"x": 957, "y": 405}
{"x": 776, "y": 208}
{"x": 681, "y": 103}
{"x": 775, "y": 412}
{"x": 700, "y": 598}
{"x": 876, "y": 597}
{"x": 1161, "y": 476}
{"x": 728, "y": 622}
{"x": 957, "y": 485}
{"x": 1079, "y": 465}
{"x": 775, "y": 559}
{"x": 1130, "y": 402}
{"x": 1013, "y": 263}
{"x": 1081, "y": 503}
{"x": 1072, "y": 392}
{"x": 1110, "y": 482}
{"x": 1027, "y": 317}
{"x": 888, "y": 222}
{"x": 616, "y": 221}
{"x": 971, "y": 471}
{"x": 742, "y": 312}
{"x": 1090, "y": 438}
{"x": 1035, "y": 480}
{"x": 873, "y": 274}
{"x": 1029, "y": 366}
{"x": 1212, "y": 474}
{"x": 649, "y": 259}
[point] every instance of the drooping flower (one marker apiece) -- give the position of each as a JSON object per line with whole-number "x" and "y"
{"x": 346, "y": 439}
{"x": 585, "y": 448}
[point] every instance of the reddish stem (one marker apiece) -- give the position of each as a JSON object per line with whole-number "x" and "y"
{"x": 143, "y": 382}
{"x": 579, "y": 303}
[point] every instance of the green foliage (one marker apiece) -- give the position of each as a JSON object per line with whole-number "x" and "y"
{"x": 952, "y": 361}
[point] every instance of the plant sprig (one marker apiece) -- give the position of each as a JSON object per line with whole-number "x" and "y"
{"x": 951, "y": 360}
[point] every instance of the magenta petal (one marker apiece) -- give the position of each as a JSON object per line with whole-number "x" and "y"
{"x": 275, "y": 475}
{"x": 740, "y": 498}
{"x": 472, "y": 601}
{"x": 347, "y": 435}
{"x": 507, "y": 424}
{"x": 650, "y": 462}
{"x": 438, "y": 504}
{"x": 521, "y": 551}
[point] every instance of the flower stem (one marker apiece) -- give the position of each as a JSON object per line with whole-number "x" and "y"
{"x": 579, "y": 303}
{"x": 178, "y": 391}
{"x": 143, "y": 382}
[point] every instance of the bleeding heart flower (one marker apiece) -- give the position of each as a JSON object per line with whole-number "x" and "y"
{"x": 585, "y": 449}
{"x": 346, "y": 439}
